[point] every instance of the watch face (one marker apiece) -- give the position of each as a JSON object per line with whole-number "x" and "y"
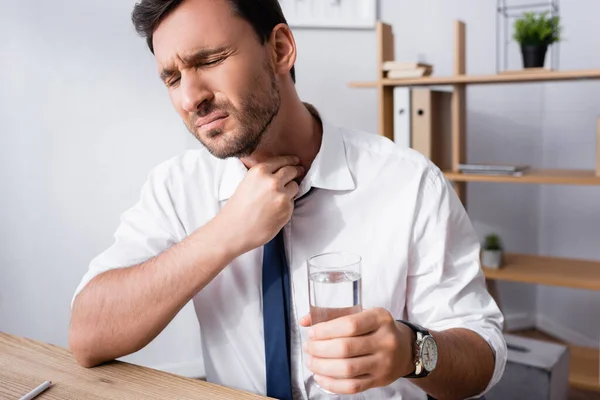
{"x": 429, "y": 353}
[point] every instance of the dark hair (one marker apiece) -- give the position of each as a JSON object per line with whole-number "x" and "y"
{"x": 263, "y": 15}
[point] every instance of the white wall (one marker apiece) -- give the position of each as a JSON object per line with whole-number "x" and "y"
{"x": 83, "y": 118}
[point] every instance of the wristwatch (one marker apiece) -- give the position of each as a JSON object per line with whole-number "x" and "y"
{"x": 425, "y": 351}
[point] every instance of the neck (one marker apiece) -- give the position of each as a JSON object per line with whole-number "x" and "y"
{"x": 294, "y": 131}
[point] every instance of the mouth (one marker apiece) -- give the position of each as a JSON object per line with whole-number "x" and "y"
{"x": 211, "y": 121}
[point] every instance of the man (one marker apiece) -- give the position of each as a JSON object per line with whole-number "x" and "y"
{"x": 276, "y": 178}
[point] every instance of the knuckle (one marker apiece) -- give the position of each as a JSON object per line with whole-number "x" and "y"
{"x": 354, "y": 387}
{"x": 385, "y": 316}
{"x": 346, "y": 348}
{"x": 274, "y": 184}
{"x": 381, "y": 312}
{"x": 353, "y": 326}
{"x": 261, "y": 169}
{"x": 349, "y": 369}
{"x": 391, "y": 342}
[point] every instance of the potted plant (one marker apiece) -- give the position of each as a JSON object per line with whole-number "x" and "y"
{"x": 535, "y": 33}
{"x": 491, "y": 256}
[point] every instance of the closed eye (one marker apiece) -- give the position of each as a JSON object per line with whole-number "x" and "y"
{"x": 213, "y": 62}
{"x": 173, "y": 82}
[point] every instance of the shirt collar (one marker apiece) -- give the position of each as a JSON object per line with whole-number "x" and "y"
{"x": 329, "y": 169}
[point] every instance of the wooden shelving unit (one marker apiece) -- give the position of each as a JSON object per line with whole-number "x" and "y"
{"x": 553, "y": 271}
{"x": 539, "y": 176}
{"x": 531, "y": 269}
{"x": 516, "y": 77}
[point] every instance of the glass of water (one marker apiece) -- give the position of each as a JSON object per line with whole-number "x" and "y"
{"x": 334, "y": 286}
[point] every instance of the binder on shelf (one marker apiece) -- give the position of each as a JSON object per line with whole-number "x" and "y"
{"x": 402, "y": 116}
{"x": 431, "y": 125}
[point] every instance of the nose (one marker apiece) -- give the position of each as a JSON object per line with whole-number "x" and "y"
{"x": 193, "y": 91}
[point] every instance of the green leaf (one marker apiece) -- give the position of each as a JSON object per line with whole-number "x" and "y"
{"x": 537, "y": 29}
{"x": 492, "y": 242}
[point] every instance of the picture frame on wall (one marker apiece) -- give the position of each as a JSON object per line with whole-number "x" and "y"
{"x": 341, "y": 14}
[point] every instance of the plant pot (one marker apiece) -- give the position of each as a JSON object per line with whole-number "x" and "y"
{"x": 491, "y": 258}
{"x": 534, "y": 55}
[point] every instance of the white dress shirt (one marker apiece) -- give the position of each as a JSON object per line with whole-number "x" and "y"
{"x": 391, "y": 205}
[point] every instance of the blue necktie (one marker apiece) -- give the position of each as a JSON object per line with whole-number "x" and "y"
{"x": 276, "y": 317}
{"x": 276, "y": 320}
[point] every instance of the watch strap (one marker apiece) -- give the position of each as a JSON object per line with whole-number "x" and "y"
{"x": 420, "y": 333}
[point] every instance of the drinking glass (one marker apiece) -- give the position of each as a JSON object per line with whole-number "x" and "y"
{"x": 334, "y": 285}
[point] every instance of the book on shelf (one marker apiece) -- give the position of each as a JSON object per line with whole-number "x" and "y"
{"x": 403, "y": 65}
{"x": 409, "y": 73}
{"x": 403, "y": 69}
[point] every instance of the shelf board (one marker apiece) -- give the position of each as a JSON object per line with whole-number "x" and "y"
{"x": 363, "y": 84}
{"x": 584, "y": 365}
{"x": 553, "y": 271}
{"x": 512, "y": 77}
{"x": 539, "y": 176}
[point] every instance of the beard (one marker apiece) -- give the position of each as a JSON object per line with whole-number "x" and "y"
{"x": 258, "y": 107}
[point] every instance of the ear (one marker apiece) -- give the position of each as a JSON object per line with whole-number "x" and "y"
{"x": 284, "y": 49}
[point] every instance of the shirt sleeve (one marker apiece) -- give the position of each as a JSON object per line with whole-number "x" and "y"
{"x": 445, "y": 285}
{"x": 145, "y": 230}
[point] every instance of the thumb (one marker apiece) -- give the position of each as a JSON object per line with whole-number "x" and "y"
{"x": 305, "y": 321}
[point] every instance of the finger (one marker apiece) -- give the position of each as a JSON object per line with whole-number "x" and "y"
{"x": 350, "y": 325}
{"x": 345, "y": 386}
{"x": 305, "y": 321}
{"x": 291, "y": 189}
{"x": 341, "y": 347}
{"x": 275, "y": 163}
{"x": 288, "y": 173}
{"x": 341, "y": 368}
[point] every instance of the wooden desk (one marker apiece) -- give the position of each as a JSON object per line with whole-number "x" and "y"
{"x": 24, "y": 364}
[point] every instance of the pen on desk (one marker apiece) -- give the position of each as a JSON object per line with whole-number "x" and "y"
{"x": 35, "y": 392}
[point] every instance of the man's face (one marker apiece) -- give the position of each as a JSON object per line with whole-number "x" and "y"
{"x": 218, "y": 76}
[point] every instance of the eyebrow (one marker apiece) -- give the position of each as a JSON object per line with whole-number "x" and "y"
{"x": 196, "y": 58}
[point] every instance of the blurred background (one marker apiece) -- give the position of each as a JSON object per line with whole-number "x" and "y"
{"x": 84, "y": 117}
